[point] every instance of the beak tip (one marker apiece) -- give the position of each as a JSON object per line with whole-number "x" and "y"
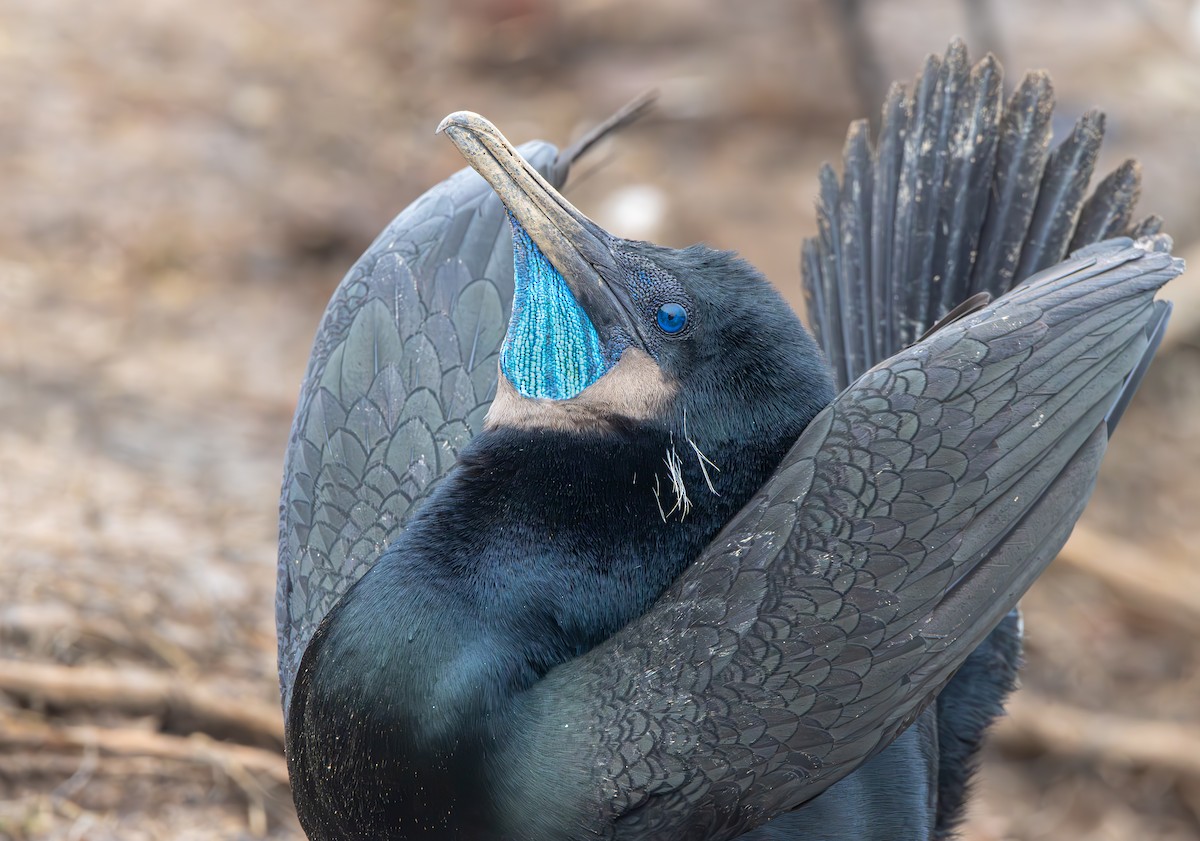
{"x": 467, "y": 120}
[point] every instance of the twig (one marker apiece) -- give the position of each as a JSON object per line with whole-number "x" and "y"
{"x": 26, "y": 764}
{"x": 139, "y": 692}
{"x": 40, "y": 625}
{"x": 1140, "y": 581}
{"x": 233, "y": 760}
{"x": 1037, "y": 724}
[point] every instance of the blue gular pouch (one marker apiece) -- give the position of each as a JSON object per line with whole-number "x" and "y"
{"x": 551, "y": 350}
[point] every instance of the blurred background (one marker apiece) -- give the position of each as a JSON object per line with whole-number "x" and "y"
{"x": 181, "y": 186}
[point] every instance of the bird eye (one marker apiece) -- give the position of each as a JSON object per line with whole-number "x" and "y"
{"x": 671, "y": 318}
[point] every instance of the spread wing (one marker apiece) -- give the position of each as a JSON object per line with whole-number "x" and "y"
{"x": 403, "y": 369}
{"x": 959, "y": 198}
{"x": 901, "y": 528}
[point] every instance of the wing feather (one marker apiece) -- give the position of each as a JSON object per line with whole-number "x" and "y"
{"x": 962, "y": 194}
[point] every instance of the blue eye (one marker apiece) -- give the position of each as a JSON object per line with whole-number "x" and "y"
{"x": 671, "y": 318}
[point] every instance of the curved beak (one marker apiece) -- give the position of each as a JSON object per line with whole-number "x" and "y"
{"x": 579, "y": 248}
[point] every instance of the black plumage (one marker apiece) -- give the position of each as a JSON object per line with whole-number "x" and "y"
{"x": 512, "y": 667}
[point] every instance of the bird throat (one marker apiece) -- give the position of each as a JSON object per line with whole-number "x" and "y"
{"x": 551, "y": 349}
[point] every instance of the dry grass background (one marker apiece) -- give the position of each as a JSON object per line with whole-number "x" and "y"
{"x": 182, "y": 184}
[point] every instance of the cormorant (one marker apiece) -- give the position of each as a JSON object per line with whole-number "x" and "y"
{"x": 529, "y": 626}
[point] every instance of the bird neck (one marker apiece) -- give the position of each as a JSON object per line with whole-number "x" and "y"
{"x": 553, "y": 540}
{"x": 627, "y": 507}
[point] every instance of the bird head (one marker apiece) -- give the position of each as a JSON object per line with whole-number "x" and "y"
{"x": 606, "y": 331}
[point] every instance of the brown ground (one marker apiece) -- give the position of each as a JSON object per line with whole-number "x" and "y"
{"x": 182, "y": 185}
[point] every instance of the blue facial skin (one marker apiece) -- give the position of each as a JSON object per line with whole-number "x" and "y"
{"x": 551, "y": 349}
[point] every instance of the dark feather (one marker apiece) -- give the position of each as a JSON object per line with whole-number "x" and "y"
{"x": 973, "y": 304}
{"x": 854, "y": 236}
{"x": 1060, "y": 196}
{"x": 1109, "y": 211}
{"x": 889, "y": 154}
{"x": 968, "y": 187}
{"x": 1020, "y": 159}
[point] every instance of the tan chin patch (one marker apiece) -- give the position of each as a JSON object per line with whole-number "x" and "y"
{"x": 635, "y": 388}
